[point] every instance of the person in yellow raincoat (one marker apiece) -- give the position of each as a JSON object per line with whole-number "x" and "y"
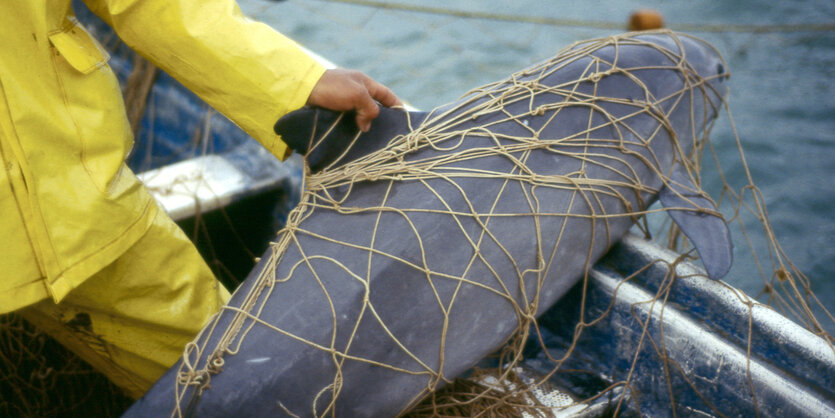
{"x": 85, "y": 252}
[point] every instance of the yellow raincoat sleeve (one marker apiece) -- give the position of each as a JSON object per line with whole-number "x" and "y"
{"x": 244, "y": 69}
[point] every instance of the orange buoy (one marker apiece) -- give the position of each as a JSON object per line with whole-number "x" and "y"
{"x": 645, "y": 19}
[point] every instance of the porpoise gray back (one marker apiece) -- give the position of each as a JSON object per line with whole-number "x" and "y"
{"x": 387, "y": 286}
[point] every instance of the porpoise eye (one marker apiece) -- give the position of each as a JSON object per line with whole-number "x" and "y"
{"x": 720, "y": 69}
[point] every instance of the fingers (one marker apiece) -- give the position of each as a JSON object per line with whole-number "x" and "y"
{"x": 343, "y": 90}
{"x": 381, "y": 93}
{"x": 367, "y": 110}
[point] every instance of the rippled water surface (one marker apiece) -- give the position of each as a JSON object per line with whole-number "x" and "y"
{"x": 781, "y": 93}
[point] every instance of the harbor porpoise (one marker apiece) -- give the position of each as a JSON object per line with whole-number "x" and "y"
{"x": 421, "y": 246}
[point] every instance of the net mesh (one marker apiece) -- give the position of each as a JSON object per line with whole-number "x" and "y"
{"x": 499, "y": 389}
{"x": 484, "y": 196}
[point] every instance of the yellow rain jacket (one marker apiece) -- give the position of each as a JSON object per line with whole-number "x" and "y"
{"x": 68, "y": 204}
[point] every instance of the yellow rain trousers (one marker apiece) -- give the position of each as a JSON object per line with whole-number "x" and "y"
{"x": 75, "y": 223}
{"x": 132, "y": 319}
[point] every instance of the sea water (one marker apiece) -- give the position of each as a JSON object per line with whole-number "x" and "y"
{"x": 781, "y": 89}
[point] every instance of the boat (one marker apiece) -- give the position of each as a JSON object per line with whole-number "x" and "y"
{"x": 659, "y": 339}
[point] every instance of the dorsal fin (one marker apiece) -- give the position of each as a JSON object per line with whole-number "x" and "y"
{"x": 707, "y": 231}
{"x": 329, "y": 138}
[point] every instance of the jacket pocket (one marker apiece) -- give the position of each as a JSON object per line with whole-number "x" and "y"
{"x": 78, "y": 48}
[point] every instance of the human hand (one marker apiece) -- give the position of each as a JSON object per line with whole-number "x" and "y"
{"x": 343, "y": 90}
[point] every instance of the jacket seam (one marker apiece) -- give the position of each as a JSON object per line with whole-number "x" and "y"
{"x": 65, "y": 99}
{"x": 31, "y": 218}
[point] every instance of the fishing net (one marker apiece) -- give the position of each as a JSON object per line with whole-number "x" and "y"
{"x": 492, "y": 205}
{"x": 501, "y": 385}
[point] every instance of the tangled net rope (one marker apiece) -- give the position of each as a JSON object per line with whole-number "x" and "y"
{"x": 486, "y": 191}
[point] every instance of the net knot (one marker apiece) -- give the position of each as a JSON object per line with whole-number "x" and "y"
{"x": 599, "y": 75}
{"x": 216, "y": 363}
